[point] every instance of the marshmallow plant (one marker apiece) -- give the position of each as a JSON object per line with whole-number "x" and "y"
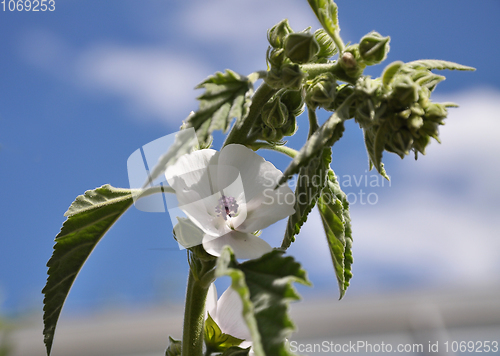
{"x": 228, "y": 196}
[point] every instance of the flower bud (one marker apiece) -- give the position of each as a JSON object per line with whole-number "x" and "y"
{"x": 436, "y": 112}
{"x": 290, "y": 127}
{"x": 321, "y": 91}
{"x": 373, "y": 48}
{"x": 404, "y": 92}
{"x": 351, "y": 62}
{"x": 270, "y": 134}
{"x": 277, "y": 34}
{"x": 291, "y": 76}
{"x": 343, "y": 92}
{"x": 275, "y": 57}
{"x": 294, "y": 101}
{"x": 274, "y": 113}
{"x": 326, "y": 46}
{"x": 301, "y": 47}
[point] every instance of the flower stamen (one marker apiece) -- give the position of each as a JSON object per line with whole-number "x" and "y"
{"x": 226, "y": 207}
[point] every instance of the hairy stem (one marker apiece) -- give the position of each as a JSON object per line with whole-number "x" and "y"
{"x": 313, "y": 121}
{"x": 290, "y": 152}
{"x": 194, "y": 314}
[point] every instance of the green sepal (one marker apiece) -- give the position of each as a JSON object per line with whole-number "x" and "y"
{"x": 215, "y": 339}
{"x": 334, "y": 211}
{"x": 90, "y": 216}
{"x": 227, "y": 96}
{"x": 236, "y": 351}
{"x": 265, "y": 288}
{"x": 174, "y": 347}
{"x": 310, "y": 182}
{"x": 390, "y": 71}
{"x": 373, "y": 48}
{"x": 301, "y": 47}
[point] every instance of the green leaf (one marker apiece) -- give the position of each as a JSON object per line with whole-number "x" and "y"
{"x": 311, "y": 180}
{"x": 174, "y": 347}
{"x": 265, "y": 288}
{"x": 89, "y": 218}
{"x": 236, "y": 351}
{"x": 437, "y": 64}
{"x": 215, "y": 339}
{"x": 329, "y": 133}
{"x": 327, "y": 13}
{"x": 227, "y": 96}
{"x": 375, "y": 139}
{"x": 334, "y": 211}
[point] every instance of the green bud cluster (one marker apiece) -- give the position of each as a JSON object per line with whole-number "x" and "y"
{"x": 400, "y": 105}
{"x": 279, "y": 115}
{"x": 321, "y": 91}
{"x": 288, "y": 50}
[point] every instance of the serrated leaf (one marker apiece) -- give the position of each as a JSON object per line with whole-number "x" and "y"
{"x": 311, "y": 180}
{"x": 89, "y": 218}
{"x": 330, "y": 132}
{"x": 174, "y": 347}
{"x": 375, "y": 139}
{"x": 265, "y": 288}
{"x": 327, "y": 13}
{"x": 334, "y": 211}
{"x": 227, "y": 96}
{"x": 437, "y": 64}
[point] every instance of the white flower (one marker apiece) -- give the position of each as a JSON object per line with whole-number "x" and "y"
{"x": 230, "y": 195}
{"x": 227, "y": 313}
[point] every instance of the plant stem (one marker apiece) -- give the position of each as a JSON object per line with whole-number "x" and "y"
{"x": 240, "y": 131}
{"x": 194, "y": 317}
{"x": 315, "y": 69}
{"x": 313, "y": 121}
{"x": 290, "y": 152}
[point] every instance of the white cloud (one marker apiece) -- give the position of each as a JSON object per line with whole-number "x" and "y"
{"x": 152, "y": 81}
{"x": 434, "y": 234}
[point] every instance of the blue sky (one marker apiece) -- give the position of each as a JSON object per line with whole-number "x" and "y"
{"x": 83, "y": 87}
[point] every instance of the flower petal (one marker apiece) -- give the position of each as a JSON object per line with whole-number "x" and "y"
{"x": 256, "y": 173}
{"x": 211, "y": 303}
{"x": 191, "y": 172}
{"x": 244, "y": 245}
{"x": 272, "y": 206}
{"x": 230, "y": 315}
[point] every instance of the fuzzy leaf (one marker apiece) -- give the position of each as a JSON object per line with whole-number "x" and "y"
{"x": 334, "y": 211}
{"x": 227, "y": 96}
{"x": 437, "y": 64}
{"x": 265, "y": 288}
{"x": 330, "y": 132}
{"x": 174, "y": 348}
{"x": 311, "y": 180}
{"x": 89, "y": 218}
{"x": 327, "y": 13}
{"x": 375, "y": 138}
